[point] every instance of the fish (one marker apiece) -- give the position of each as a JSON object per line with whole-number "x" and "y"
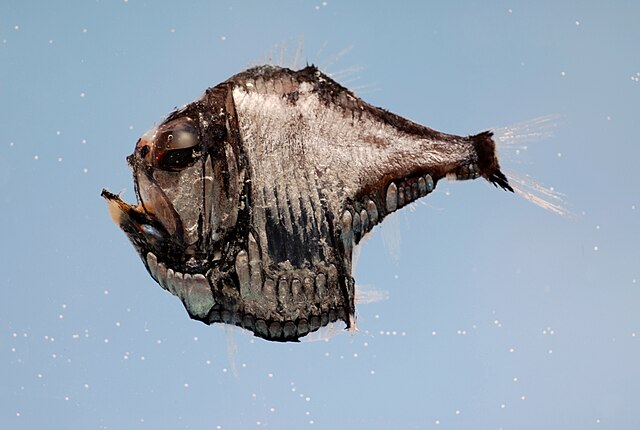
{"x": 251, "y": 199}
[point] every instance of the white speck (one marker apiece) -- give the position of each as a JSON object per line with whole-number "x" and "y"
{"x": 106, "y": 340}
{"x": 50, "y": 41}
{"x": 224, "y": 370}
{"x": 324, "y": 3}
{"x": 598, "y": 421}
{"x": 608, "y": 118}
{"x": 130, "y": 127}
{"x": 85, "y": 170}
{"x": 142, "y": 358}
{"x": 559, "y": 154}
{"x": 307, "y": 399}
{"x": 355, "y": 355}
{"x": 577, "y": 23}
{"x": 633, "y": 334}
{"x": 551, "y": 351}
{"x": 17, "y": 414}
{"x": 433, "y": 333}
{"x": 510, "y": 11}
{"x": 58, "y": 132}
{"x": 195, "y": 338}
{"x": 83, "y": 141}
{"x": 11, "y": 143}
{"x": 36, "y": 157}
{"x": 523, "y": 398}
{"x": 106, "y": 292}
{"x": 86, "y": 386}
{"x": 457, "y": 412}
{"x": 223, "y": 38}
{"x": 208, "y": 362}
{"x": 270, "y": 375}
{"x": 258, "y": 423}
{"x": 117, "y": 323}
{"x": 515, "y": 379}
{"x": 16, "y": 27}
{"x": 13, "y": 349}
{"x": 66, "y": 398}
{"x": 186, "y": 385}
{"x": 218, "y": 427}
{"x": 595, "y": 248}
{"x": 502, "y": 406}
{"x": 60, "y": 317}
{"x": 159, "y": 341}
{"x": 317, "y": 7}
{"x": 272, "y": 409}
{"x": 512, "y": 350}
{"x": 376, "y": 316}
{"x": 563, "y": 74}
{"x": 82, "y": 94}
{"x": 84, "y": 30}
{"x": 372, "y": 372}
{"x": 311, "y": 422}
{"x": 39, "y": 375}
{"x": 437, "y": 422}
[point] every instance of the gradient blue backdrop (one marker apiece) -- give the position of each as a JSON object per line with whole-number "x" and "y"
{"x": 500, "y": 315}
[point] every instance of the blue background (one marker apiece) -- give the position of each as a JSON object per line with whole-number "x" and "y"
{"x": 500, "y": 315}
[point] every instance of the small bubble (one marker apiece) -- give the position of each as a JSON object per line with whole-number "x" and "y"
{"x": 577, "y": 23}
{"x": 512, "y": 350}
{"x": 58, "y": 132}
{"x": 82, "y": 94}
{"x": 595, "y": 248}
{"x": 270, "y": 375}
{"x": 16, "y": 27}
{"x": 36, "y": 157}
{"x": 433, "y": 333}
{"x": 224, "y": 370}
{"x": 551, "y": 351}
{"x": 559, "y": 154}
{"x": 437, "y": 422}
{"x": 106, "y": 292}
{"x": 186, "y": 385}
{"x": 563, "y": 74}
{"x": 457, "y": 412}
{"x": 106, "y": 340}
{"x": 223, "y": 38}
{"x": 502, "y": 406}
{"x": 523, "y": 398}
{"x": 272, "y": 409}
{"x": 311, "y": 422}
{"x": 372, "y": 372}
{"x": 83, "y": 141}
{"x": 515, "y": 379}
{"x": 66, "y": 398}
{"x": 510, "y": 11}
{"x": 85, "y": 170}
{"x": 86, "y": 386}
{"x": 39, "y": 375}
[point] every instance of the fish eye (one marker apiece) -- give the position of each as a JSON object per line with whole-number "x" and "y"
{"x": 176, "y": 145}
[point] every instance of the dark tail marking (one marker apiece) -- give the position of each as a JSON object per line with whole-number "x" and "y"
{"x": 488, "y": 160}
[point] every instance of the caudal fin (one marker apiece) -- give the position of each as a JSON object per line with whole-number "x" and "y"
{"x": 488, "y": 160}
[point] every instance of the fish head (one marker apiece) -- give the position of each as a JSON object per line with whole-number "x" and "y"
{"x": 188, "y": 185}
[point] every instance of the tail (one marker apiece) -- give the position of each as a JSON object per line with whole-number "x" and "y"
{"x": 488, "y": 160}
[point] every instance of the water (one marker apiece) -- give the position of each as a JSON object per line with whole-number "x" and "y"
{"x": 495, "y": 313}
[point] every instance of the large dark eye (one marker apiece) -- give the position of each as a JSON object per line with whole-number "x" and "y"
{"x": 177, "y": 159}
{"x": 176, "y": 145}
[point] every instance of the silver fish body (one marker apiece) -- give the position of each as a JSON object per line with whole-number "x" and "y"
{"x": 252, "y": 198}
